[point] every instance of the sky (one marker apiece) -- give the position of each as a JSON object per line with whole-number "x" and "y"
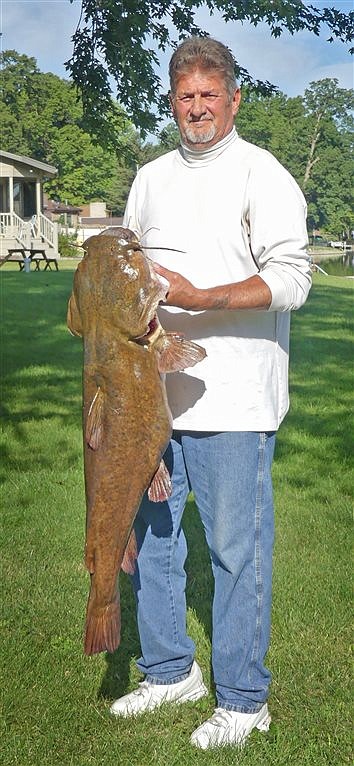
{"x": 44, "y": 28}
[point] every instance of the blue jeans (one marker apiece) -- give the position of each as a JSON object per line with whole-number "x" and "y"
{"x": 230, "y": 475}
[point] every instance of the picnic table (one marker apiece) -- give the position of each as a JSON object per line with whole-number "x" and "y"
{"x": 12, "y": 252}
{"x": 36, "y": 255}
{"x": 43, "y": 256}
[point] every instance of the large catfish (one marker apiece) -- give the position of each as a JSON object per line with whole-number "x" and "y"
{"x": 126, "y": 419}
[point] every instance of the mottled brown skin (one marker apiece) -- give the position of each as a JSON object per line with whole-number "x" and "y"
{"x": 126, "y": 419}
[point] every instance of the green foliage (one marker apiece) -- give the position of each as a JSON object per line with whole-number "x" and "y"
{"x": 324, "y": 99}
{"x": 117, "y": 189}
{"x": 313, "y": 138}
{"x": 169, "y": 137}
{"x": 84, "y": 170}
{"x": 42, "y": 117}
{"x": 118, "y": 40}
{"x": 56, "y": 700}
{"x": 42, "y": 104}
{"x": 330, "y": 190}
{"x": 67, "y": 246}
{"x": 275, "y": 123}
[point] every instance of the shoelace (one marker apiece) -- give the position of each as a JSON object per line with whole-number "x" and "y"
{"x": 222, "y": 720}
{"x": 142, "y": 689}
{"x": 221, "y": 717}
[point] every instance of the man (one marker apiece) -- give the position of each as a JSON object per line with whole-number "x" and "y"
{"x": 235, "y": 222}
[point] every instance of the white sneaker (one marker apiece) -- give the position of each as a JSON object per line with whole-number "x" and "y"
{"x": 148, "y": 696}
{"x": 228, "y": 727}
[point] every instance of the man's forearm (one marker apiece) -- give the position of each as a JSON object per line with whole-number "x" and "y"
{"x": 251, "y": 294}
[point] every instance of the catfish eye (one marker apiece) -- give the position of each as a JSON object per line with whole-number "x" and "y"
{"x": 130, "y": 249}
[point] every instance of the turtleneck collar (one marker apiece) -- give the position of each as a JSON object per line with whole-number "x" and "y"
{"x": 198, "y": 158}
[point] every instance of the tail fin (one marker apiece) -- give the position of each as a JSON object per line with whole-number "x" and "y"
{"x": 103, "y": 628}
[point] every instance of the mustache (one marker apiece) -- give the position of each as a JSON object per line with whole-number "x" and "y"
{"x": 192, "y": 119}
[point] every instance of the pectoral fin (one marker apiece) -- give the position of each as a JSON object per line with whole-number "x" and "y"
{"x": 73, "y": 318}
{"x": 94, "y": 423}
{"x": 176, "y": 353}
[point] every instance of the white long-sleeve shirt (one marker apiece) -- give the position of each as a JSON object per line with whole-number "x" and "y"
{"x": 232, "y": 211}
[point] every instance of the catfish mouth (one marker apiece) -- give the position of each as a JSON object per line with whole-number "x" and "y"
{"x": 149, "y": 313}
{"x": 153, "y": 326}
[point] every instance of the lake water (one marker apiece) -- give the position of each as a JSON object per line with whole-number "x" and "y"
{"x": 341, "y": 266}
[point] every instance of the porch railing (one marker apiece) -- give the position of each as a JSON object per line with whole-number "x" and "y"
{"x": 39, "y": 227}
{"x": 11, "y": 225}
{"x": 47, "y": 230}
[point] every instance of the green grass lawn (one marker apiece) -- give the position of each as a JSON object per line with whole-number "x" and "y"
{"x": 56, "y": 700}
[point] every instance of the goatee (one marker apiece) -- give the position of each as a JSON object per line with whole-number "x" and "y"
{"x": 198, "y": 136}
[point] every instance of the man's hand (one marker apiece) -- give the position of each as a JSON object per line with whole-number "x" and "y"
{"x": 252, "y": 293}
{"x": 181, "y": 292}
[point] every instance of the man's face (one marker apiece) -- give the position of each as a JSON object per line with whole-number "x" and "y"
{"x": 203, "y": 109}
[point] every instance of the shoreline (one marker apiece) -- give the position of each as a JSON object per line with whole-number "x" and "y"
{"x": 324, "y": 255}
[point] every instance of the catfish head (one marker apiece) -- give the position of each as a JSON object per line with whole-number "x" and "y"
{"x": 115, "y": 283}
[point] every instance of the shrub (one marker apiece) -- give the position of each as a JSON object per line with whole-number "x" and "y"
{"x": 67, "y": 246}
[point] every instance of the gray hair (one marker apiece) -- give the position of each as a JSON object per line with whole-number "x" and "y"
{"x": 206, "y": 53}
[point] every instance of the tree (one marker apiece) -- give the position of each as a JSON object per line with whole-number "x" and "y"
{"x": 169, "y": 137}
{"x": 324, "y": 102}
{"x": 327, "y": 173}
{"x": 275, "y": 123}
{"x": 118, "y": 40}
{"x": 330, "y": 192}
{"x": 84, "y": 170}
{"x": 312, "y": 137}
{"x": 42, "y": 117}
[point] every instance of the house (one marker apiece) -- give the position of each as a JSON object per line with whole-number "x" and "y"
{"x": 67, "y": 216}
{"x": 81, "y": 222}
{"x": 22, "y": 222}
{"x": 95, "y": 218}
